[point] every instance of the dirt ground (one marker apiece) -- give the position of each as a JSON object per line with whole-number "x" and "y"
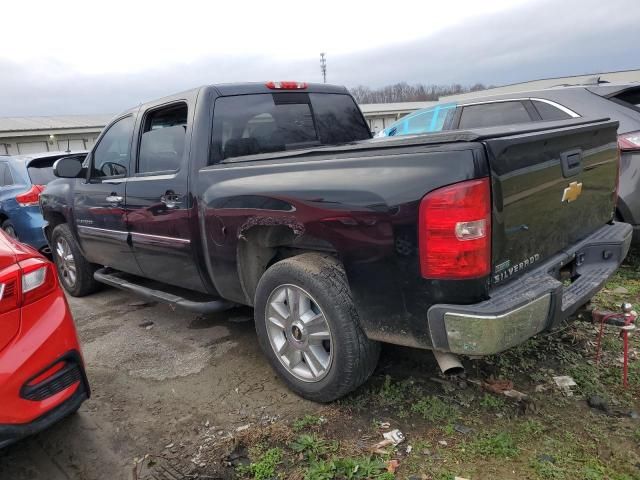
{"x": 162, "y": 382}
{"x": 179, "y": 396}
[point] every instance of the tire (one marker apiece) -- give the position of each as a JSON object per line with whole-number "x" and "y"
{"x": 339, "y": 366}
{"x": 80, "y": 282}
{"x": 8, "y": 227}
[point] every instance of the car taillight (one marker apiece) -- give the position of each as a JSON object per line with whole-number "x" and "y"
{"x": 629, "y": 141}
{"x": 38, "y": 279}
{"x": 25, "y": 282}
{"x": 454, "y": 231}
{"x": 31, "y": 197}
{"x": 286, "y": 85}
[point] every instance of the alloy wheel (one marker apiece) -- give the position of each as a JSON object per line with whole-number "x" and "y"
{"x": 299, "y": 333}
{"x": 66, "y": 262}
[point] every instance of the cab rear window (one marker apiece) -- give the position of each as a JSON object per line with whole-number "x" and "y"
{"x": 265, "y": 123}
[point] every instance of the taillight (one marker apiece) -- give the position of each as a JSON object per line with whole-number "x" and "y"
{"x": 629, "y": 141}
{"x": 454, "y": 231}
{"x": 31, "y": 197}
{"x": 38, "y": 279}
{"x": 286, "y": 85}
{"x": 25, "y": 282}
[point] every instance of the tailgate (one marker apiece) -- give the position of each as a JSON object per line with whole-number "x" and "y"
{"x": 551, "y": 188}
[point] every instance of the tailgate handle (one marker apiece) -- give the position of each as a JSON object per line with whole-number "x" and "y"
{"x": 571, "y": 162}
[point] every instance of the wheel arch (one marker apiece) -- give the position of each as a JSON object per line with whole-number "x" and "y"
{"x": 53, "y": 219}
{"x": 261, "y": 246}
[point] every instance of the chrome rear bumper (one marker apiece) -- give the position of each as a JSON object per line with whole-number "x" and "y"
{"x": 535, "y": 301}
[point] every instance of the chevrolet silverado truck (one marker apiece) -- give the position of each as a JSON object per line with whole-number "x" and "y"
{"x": 275, "y": 196}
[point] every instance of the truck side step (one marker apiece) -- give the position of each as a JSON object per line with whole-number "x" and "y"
{"x": 159, "y": 292}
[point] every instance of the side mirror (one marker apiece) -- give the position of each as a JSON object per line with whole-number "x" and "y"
{"x": 68, "y": 167}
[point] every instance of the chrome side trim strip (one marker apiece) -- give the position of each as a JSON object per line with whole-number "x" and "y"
{"x": 96, "y": 232}
{"x": 569, "y": 112}
{"x": 122, "y": 235}
{"x": 161, "y": 238}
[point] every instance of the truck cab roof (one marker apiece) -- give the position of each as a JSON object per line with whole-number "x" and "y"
{"x": 240, "y": 88}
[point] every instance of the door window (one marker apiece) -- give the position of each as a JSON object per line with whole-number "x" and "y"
{"x": 493, "y": 115}
{"x": 3, "y": 169}
{"x": 163, "y": 140}
{"x": 111, "y": 156}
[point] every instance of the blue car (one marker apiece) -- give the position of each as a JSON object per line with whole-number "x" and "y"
{"x": 426, "y": 120}
{"x": 22, "y": 179}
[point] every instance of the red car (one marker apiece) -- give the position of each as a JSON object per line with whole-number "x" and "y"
{"x": 42, "y": 377}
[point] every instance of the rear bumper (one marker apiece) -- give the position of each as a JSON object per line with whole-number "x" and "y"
{"x": 28, "y": 223}
{"x": 533, "y": 302}
{"x": 10, "y": 433}
{"x": 30, "y": 397}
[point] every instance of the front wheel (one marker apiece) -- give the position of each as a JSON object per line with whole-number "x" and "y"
{"x": 308, "y": 328}
{"x": 75, "y": 272}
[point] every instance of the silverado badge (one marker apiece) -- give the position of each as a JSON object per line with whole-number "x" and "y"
{"x": 572, "y": 192}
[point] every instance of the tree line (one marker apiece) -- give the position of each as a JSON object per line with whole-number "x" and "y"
{"x": 403, "y": 92}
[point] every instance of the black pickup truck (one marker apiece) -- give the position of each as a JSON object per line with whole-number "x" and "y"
{"x": 274, "y": 196}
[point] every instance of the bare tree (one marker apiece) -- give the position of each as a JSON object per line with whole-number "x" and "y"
{"x": 403, "y": 92}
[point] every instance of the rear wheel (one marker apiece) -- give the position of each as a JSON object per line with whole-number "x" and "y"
{"x": 8, "y": 227}
{"x": 75, "y": 272}
{"x": 308, "y": 328}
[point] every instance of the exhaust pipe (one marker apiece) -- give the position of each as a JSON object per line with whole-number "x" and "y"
{"x": 448, "y": 363}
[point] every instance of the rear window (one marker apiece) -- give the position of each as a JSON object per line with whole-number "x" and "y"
{"x": 264, "y": 123}
{"x": 630, "y": 96}
{"x": 493, "y": 115}
{"x": 41, "y": 171}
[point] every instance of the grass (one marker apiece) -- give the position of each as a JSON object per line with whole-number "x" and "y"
{"x": 433, "y": 409}
{"x": 312, "y": 447}
{"x": 500, "y": 445}
{"x": 548, "y": 437}
{"x": 307, "y": 422}
{"x": 349, "y": 469}
{"x": 265, "y": 467}
{"x": 492, "y": 402}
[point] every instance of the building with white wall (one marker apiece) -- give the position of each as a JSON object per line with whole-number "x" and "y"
{"x": 20, "y": 135}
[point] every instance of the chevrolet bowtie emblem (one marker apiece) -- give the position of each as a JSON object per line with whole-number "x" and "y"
{"x": 572, "y": 192}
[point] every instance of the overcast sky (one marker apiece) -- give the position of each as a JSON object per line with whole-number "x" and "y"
{"x": 94, "y": 57}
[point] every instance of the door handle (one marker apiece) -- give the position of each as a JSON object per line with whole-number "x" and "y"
{"x": 114, "y": 199}
{"x": 171, "y": 200}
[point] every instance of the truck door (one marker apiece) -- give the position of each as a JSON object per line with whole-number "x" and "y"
{"x": 99, "y": 202}
{"x": 158, "y": 202}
